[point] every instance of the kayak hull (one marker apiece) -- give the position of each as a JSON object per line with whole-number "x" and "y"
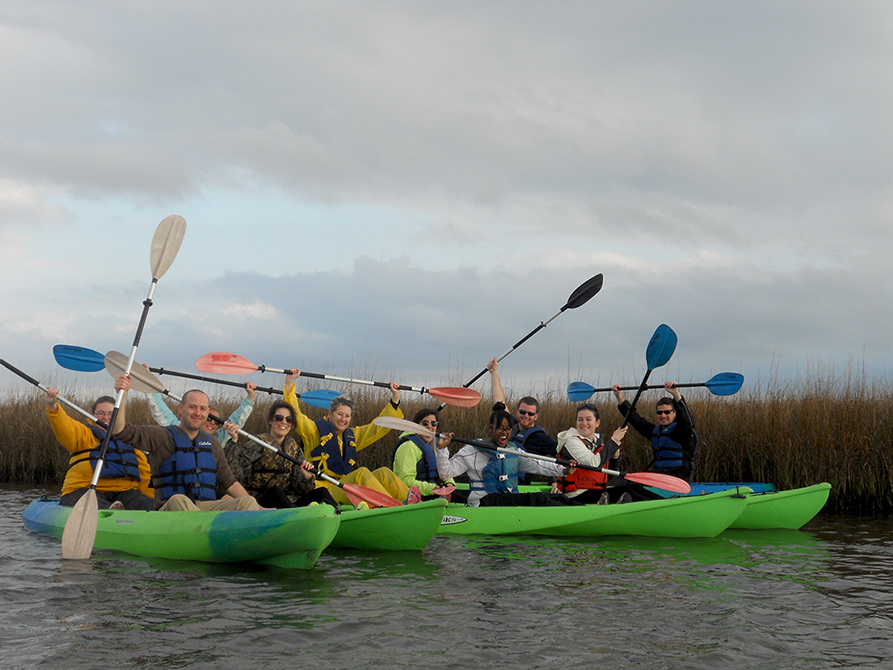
{"x": 289, "y": 537}
{"x": 783, "y": 509}
{"x": 687, "y": 516}
{"x": 404, "y": 528}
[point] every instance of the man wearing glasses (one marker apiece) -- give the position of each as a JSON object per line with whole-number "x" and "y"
{"x": 673, "y": 440}
{"x": 124, "y": 481}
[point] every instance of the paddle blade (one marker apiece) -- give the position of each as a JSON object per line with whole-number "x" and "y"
{"x": 657, "y": 480}
{"x": 80, "y": 359}
{"x": 453, "y": 395}
{"x": 396, "y": 423}
{"x": 225, "y": 364}
{"x": 579, "y": 391}
{"x": 79, "y": 533}
{"x": 166, "y": 243}
{"x": 661, "y": 347}
{"x": 725, "y": 383}
{"x": 140, "y": 379}
{"x": 321, "y": 398}
{"x": 370, "y": 496}
{"x": 584, "y": 292}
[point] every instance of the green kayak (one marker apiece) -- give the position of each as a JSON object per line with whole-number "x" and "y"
{"x": 783, "y": 509}
{"x": 292, "y": 538}
{"x": 408, "y": 527}
{"x": 694, "y": 516}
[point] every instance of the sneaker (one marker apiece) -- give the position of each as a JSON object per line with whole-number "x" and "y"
{"x": 117, "y": 505}
{"x": 361, "y": 505}
{"x": 314, "y": 503}
{"x": 625, "y": 498}
{"x": 604, "y": 500}
{"x": 414, "y": 496}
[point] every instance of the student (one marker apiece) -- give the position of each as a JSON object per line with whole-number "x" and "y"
{"x": 332, "y": 444}
{"x": 415, "y": 462}
{"x": 124, "y": 481}
{"x": 588, "y": 447}
{"x": 493, "y": 476}
{"x": 273, "y": 480}
{"x": 187, "y": 462}
{"x": 674, "y": 442}
{"x": 165, "y": 417}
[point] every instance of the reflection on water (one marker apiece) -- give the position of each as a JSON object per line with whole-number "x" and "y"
{"x": 816, "y": 598}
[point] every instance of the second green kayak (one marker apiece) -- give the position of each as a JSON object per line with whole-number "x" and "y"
{"x": 408, "y": 527}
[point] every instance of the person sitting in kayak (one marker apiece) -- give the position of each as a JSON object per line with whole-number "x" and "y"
{"x": 165, "y": 417}
{"x": 588, "y": 447}
{"x": 271, "y": 479}
{"x": 415, "y": 462}
{"x": 124, "y": 481}
{"x": 674, "y": 442}
{"x": 493, "y": 475}
{"x": 526, "y": 433}
{"x": 187, "y": 463}
{"x": 332, "y": 444}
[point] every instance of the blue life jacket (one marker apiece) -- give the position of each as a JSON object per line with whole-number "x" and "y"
{"x": 521, "y": 436}
{"x": 328, "y": 452}
{"x": 120, "y": 459}
{"x": 426, "y": 467}
{"x": 667, "y": 452}
{"x": 500, "y": 475}
{"x": 190, "y": 470}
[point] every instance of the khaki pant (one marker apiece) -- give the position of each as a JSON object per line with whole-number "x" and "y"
{"x": 181, "y": 503}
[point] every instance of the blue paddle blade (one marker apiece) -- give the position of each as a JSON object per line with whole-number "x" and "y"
{"x": 661, "y": 347}
{"x": 725, "y": 383}
{"x": 579, "y": 391}
{"x": 321, "y": 398}
{"x": 78, "y": 358}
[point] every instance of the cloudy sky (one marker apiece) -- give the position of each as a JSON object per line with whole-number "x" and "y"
{"x": 406, "y": 189}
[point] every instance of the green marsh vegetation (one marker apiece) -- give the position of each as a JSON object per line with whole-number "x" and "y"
{"x": 811, "y": 431}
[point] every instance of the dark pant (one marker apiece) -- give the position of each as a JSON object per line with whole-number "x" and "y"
{"x": 537, "y": 499}
{"x": 277, "y": 498}
{"x": 130, "y": 499}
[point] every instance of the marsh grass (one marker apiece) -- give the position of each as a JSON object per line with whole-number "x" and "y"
{"x": 809, "y": 432}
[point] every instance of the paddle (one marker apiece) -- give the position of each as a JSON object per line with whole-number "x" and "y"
{"x": 59, "y": 398}
{"x": 223, "y": 363}
{"x": 667, "y": 482}
{"x": 724, "y": 383}
{"x": 144, "y": 381}
{"x": 82, "y": 359}
{"x": 80, "y": 528}
{"x": 580, "y": 296}
{"x": 658, "y": 353}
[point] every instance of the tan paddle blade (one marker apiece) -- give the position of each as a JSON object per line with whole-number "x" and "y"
{"x": 80, "y": 529}
{"x": 396, "y": 423}
{"x": 454, "y": 395}
{"x": 225, "y": 364}
{"x": 140, "y": 379}
{"x": 166, "y": 243}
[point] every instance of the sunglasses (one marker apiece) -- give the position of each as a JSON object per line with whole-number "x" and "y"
{"x": 664, "y": 411}
{"x": 524, "y": 412}
{"x": 280, "y": 417}
{"x": 433, "y": 424}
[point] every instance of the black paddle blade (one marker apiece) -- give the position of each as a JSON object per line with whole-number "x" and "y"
{"x": 584, "y": 292}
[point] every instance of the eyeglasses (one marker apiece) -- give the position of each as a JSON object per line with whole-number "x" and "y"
{"x": 524, "y": 412}
{"x": 281, "y": 417}
{"x": 664, "y": 411}
{"x": 102, "y": 415}
{"x": 433, "y": 424}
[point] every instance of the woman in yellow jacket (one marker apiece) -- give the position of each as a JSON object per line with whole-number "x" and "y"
{"x": 332, "y": 445}
{"x": 124, "y": 481}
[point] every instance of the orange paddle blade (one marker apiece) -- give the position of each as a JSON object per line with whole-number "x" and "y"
{"x": 660, "y": 481}
{"x": 373, "y": 498}
{"x": 225, "y": 364}
{"x": 460, "y": 397}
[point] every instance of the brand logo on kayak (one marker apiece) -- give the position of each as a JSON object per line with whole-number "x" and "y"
{"x": 452, "y": 520}
{"x": 123, "y": 520}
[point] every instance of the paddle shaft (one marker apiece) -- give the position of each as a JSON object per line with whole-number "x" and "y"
{"x": 579, "y": 297}
{"x": 539, "y": 457}
{"x": 223, "y": 382}
{"x": 59, "y": 398}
